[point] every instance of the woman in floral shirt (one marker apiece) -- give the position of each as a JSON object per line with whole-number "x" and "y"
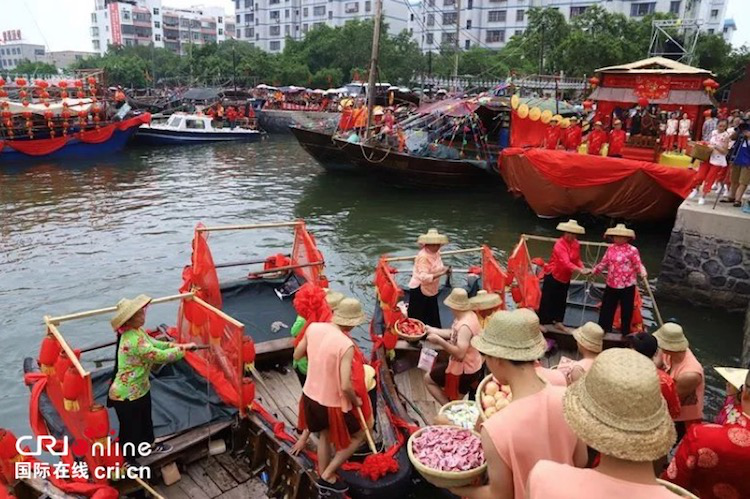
{"x": 137, "y": 352}
{"x": 736, "y": 409}
{"x": 623, "y": 264}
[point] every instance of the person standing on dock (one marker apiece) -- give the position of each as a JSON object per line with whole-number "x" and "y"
{"x": 713, "y": 169}
{"x": 623, "y": 264}
{"x": 680, "y": 363}
{"x": 565, "y": 259}
{"x": 740, "y": 173}
{"x": 617, "y": 409}
{"x": 573, "y": 135}
{"x": 425, "y": 279}
{"x": 130, "y": 391}
{"x": 596, "y": 139}
{"x": 330, "y": 401}
{"x": 532, "y": 427}
{"x": 463, "y": 372}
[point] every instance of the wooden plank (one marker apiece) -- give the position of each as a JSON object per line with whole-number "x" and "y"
{"x": 189, "y": 487}
{"x": 45, "y": 488}
{"x": 274, "y": 345}
{"x": 219, "y": 475}
{"x": 174, "y": 491}
{"x": 198, "y": 473}
{"x": 249, "y": 489}
{"x": 234, "y": 466}
{"x": 107, "y": 310}
{"x": 185, "y": 440}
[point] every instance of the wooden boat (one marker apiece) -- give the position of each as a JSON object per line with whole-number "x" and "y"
{"x": 279, "y": 121}
{"x": 320, "y": 145}
{"x": 184, "y": 128}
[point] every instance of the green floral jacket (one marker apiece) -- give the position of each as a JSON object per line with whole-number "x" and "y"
{"x": 137, "y": 353}
{"x": 301, "y": 364}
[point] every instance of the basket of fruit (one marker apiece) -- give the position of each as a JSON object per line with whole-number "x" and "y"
{"x": 676, "y": 489}
{"x": 410, "y": 329}
{"x": 447, "y": 456}
{"x": 463, "y": 413}
{"x": 492, "y": 397}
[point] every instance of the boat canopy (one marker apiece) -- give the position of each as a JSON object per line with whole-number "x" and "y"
{"x": 74, "y": 105}
{"x": 202, "y": 93}
{"x": 450, "y": 107}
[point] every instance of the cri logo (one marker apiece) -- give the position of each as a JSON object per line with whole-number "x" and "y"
{"x": 50, "y": 444}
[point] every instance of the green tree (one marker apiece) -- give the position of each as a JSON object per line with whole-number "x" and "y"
{"x": 27, "y": 67}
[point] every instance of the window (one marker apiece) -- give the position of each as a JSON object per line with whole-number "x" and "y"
{"x": 238, "y": 18}
{"x": 577, "y": 11}
{"x": 498, "y": 1}
{"x": 495, "y": 36}
{"x": 520, "y": 14}
{"x": 220, "y": 20}
{"x": 318, "y": 25}
{"x": 274, "y": 30}
{"x": 642, "y": 9}
{"x": 249, "y": 18}
{"x": 368, "y": 6}
{"x": 518, "y": 32}
{"x": 448, "y": 38}
{"x": 248, "y": 4}
{"x": 287, "y": 30}
{"x": 711, "y": 31}
{"x": 304, "y": 28}
{"x": 195, "y": 124}
{"x": 249, "y": 32}
{"x": 497, "y": 16}
{"x": 430, "y": 19}
{"x": 273, "y": 2}
{"x": 275, "y": 45}
{"x": 320, "y": 10}
{"x": 467, "y": 44}
{"x": 449, "y": 3}
{"x": 674, "y": 7}
{"x": 129, "y": 42}
{"x": 305, "y": 12}
{"x": 330, "y": 15}
{"x": 236, "y": 4}
{"x": 96, "y": 45}
{"x": 156, "y": 11}
{"x": 430, "y": 39}
{"x": 411, "y": 17}
{"x": 470, "y": 5}
{"x": 468, "y": 24}
{"x": 220, "y": 32}
{"x": 126, "y": 15}
{"x": 351, "y": 7}
{"x": 239, "y": 33}
{"x": 714, "y": 13}
{"x": 94, "y": 31}
{"x": 275, "y": 15}
{"x": 449, "y": 18}
{"x": 157, "y": 37}
{"x": 286, "y": 14}
{"x": 157, "y": 24}
{"x": 93, "y": 17}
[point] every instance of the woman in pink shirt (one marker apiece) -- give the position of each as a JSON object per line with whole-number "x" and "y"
{"x": 618, "y": 410}
{"x": 425, "y": 279}
{"x": 623, "y": 264}
{"x": 565, "y": 259}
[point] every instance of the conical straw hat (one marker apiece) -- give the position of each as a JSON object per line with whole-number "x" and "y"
{"x": 370, "y": 381}
{"x": 617, "y": 407}
{"x": 734, "y": 375}
{"x": 485, "y": 301}
{"x": 333, "y": 298}
{"x": 671, "y": 338}
{"x": 458, "y": 300}
{"x": 349, "y": 313}
{"x": 512, "y": 335}
{"x": 571, "y": 226}
{"x": 620, "y": 230}
{"x": 590, "y": 336}
{"x": 432, "y": 237}
{"x": 127, "y": 309}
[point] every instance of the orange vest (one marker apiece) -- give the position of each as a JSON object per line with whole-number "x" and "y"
{"x": 326, "y": 346}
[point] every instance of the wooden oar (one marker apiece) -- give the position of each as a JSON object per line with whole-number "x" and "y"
{"x": 370, "y": 440}
{"x": 653, "y": 300}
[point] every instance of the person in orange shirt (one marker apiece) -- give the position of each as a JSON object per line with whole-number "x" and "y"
{"x": 424, "y": 284}
{"x": 553, "y": 135}
{"x": 617, "y": 138}
{"x": 617, "y": 409}
{"x": 596, "y": 139}
{"x": 360, "y": 118}
{"x": 532, "y": 427}
{"x": 573, "y": 135}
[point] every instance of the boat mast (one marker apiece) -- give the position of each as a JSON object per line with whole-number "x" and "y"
{"x": 373, "y": 64}
{"x": 458, "y": 45}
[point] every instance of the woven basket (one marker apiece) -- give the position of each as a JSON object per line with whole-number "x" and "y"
{"x": 676, "y": 489}
{"x": 478, "y": 396}
{"x": 699, "y": 151}
{"x": 443, "y": 479}
{"x": 441, "y": 412}
{"x": 410, "y": 337}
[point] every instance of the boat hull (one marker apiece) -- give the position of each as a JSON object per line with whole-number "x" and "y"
{"x": 154, "y": 136}
{"x": 278, "y": 121}
{"x": 321, "y": 147}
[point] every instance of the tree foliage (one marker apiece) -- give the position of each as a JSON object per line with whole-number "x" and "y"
{"x": 26, "y": 66}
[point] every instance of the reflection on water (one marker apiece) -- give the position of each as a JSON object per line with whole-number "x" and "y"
{"x": 83, "y": 235}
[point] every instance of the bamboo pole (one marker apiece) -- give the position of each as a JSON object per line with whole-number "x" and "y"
{"x": 240, "y": 263}
{"x": 653, "y": 300}
{"x": 249, "y": 226}
{"x": 287, "y": 267}
{"x": 370, "y": 441}
{"x": 218, "y": 312}
{"x": 107, "y": 310}
{"x": 442, "y": 253}
{"x": 66, "y": 348}
{"x": 553, "y": 240}
{"x": 145, "y": 485}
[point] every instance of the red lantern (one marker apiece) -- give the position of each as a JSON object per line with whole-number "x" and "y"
{"x": 25, "y": 103}
{"x": 62, "y": 365}
{"x": 2, "y": 82}
{"x": 72, "y": 389}
{"x": 48, "y": 353}
{"x": 3, "y": 93}
{"x": 22, "y": 94}
{"x": 248, "y": 392}
{"x": 587, "y": 104}
{"x": 248, "y": 353}
{"x": 80, "y": 94}
{"x": 21, "y": 82}
{"x": 594, "y": 82}
{"x": 216, "y": 335}
{"x": 97, "y": 423}
{"x": 62, "y": 84}
{"x": 516, "y": 294}
{"x": 78, "y": 84}
{"x": 643, "y": 102}
{"x": 44, "y": 94}
{"x": 91, "y": 80}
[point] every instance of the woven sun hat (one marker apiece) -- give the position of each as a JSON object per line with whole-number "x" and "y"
{"x": 512, "y": 336}
{"x": 590, "y": 336}
{"x": 734, "y": 375}
{"x": 597, "y": 123}
{"x": 620, "y": 230}
{"x": 671, "y": 338}
{"x": 617, "y": 407}
{"x": 571, "y": 226}
{"x": 369, "y": 377}
{"x": 573, "y": 119}
{"x": 433, "y": 237}
{"x": 333, "y": 298}
{"x": 458, "y": 300}
{"x": 349, "y": 313}
{"x": 485, "y": 301}
{"x": 127, "y": 309}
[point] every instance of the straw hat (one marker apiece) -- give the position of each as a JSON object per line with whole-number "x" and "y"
{"x": 617, "y": 408}
{"x": 671, "y": 338}
{"x": 433, "y": 237}
{"x": 127, "y": 309}
{"x": 573, "y": 119}
{"x": 590, "y": 336}
{"x": 369, "y": 377}
{"x": 349, "y": 313}
{"x": 734, "y": 375}
{"x": 333, "y": 298}
{"x": 485, "y": 301}
{"x": 620, "y": 230}
{"x": 458, "y": 300}
{"x": 512, "y": 336}
{"x": 597, "y": 123}
{"x": 571, "y": 226}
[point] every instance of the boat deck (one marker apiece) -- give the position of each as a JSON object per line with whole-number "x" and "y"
{"x": 223, "y": 477}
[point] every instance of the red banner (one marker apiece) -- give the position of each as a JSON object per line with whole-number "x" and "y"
{"x": 674, "y": 82}
{"x": 519, "y": 266}
{"x": 114, "y": 16}
{"x": 652, "y": 87}
{"x": 494, "y": 279}
{"x": 525, "y": 132}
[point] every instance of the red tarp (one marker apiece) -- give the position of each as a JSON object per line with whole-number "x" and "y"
{"x": 494, "y": 279}
{"x": 450, "y": 107}
{"x": 201, "y": 274}
{"x": 519, "y": 267}
{"x": 96, "y": 136}
{"x": 525, "y": 132}
{"x": 306, "y": 252}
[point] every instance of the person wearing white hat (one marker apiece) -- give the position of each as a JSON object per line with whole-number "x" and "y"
{"x": 463, "y": 371}
{"x": 130, "y": 391}
{"x": 622, "y": 261}
{"x": 736, "y": 409}
{"x": 532, "y": 426}
{"x": 552, "y": 135}
{"x": 565, "y": 259}
{"x": 617, "y": 409}
{"x": 424, "y": 284}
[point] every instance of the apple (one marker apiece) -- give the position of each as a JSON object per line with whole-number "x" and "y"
{"x": 505, "y": 388}
{"x": 491, "y": 388}
{"x": 489, "y": 412}
{"x": 501, "y": 404}
{"x": 488, "y": 401}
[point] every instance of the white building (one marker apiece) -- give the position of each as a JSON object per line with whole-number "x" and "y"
{"x": 267, "y": 23}
{"x": 14, "y": 49}
{"x": 491, "y": 23}
{"x": 146, "y": 22}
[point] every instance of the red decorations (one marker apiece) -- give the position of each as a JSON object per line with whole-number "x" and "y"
{"x": 48, "y": 115}
{"x": 97, "y": 423}
{"x": 91, "y": 80}
{"x": 48, "y": 353}
{"x": 594, "y": 82}
{"x": 643, "y": 102}
{"x": 248, "y": 353}
{"x": 63, "y": 85}
{"x": 588, "y": 104}
{"x": 652, "y": 87}
{"x": 710, "y": 85}
{"x": 95, "y": 112}
{"x": 72, "y": 389}
{"x": 65, "y": 115}
{"x": 82, "y": 115}
{"x": 79, "y": 85}
{"x": 248, "y": 392}
{"x": 2, "y": 81}
{"x": 21, "y": 82}
{"x": 29, "y": 123}
{"x": 23, "y": 94}
{"x": 3, "y": 93}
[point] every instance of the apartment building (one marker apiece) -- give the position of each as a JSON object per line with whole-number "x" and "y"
{"x": 146, "y": 22}
{"x": 267, "y": 23}
{"x": 14, "y": 49}
{"x": 491, "y": 23}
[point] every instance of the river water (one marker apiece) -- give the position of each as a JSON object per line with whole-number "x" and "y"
{"x": 83, "y": 235}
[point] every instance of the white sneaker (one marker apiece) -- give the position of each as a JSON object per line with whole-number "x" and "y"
{"x": 693, "y": 194}
{"x": 702, "y": 200}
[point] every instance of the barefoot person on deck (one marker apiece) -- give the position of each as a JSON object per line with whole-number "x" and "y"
{"x": 425, "y": 279}
{"x": 463, "y": 371}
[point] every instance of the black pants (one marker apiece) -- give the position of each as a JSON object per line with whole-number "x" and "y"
{"x": 625, "y": 297}
{"x": 554, "y": 300}
{"x": 424, "y": 308}
{"x": 136, "y": 425}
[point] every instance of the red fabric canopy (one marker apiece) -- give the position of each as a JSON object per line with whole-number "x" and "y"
{"x": 525, "y": 132}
